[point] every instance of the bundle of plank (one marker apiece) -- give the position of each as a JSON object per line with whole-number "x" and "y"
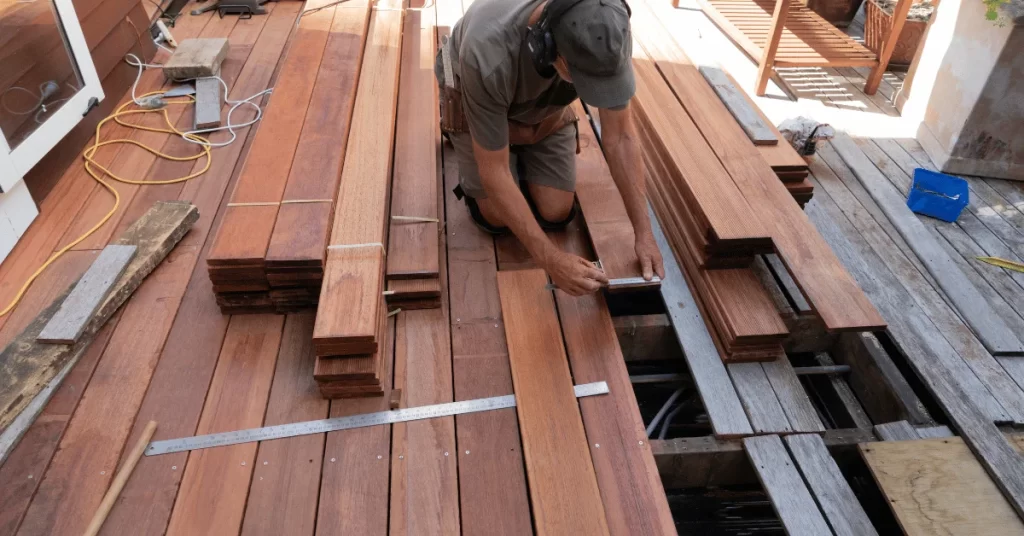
{"x": 413, "y": 258}
{"x": 351, "y": 320}
{"x": 707, "y": 181}
{"x": 269, "y": 252}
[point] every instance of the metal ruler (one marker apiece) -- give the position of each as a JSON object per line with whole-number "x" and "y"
{"x": 353, "y": 421}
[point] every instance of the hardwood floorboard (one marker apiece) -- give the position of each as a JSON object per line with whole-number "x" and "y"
{"x": 631, "y": 489}
{"x": 491, "y": 469}
{"x": 215, "y": 482}
{"x": 74, "y": 484}
{"x": 354, "y": 483}
{"x": 286, "y": 478}
{"x": 563, "y": 486}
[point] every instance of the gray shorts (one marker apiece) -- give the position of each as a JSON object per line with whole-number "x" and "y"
{"x": 552, "y": 162}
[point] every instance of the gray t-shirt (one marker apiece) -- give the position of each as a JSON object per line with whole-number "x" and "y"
{"x": 499, "y": 81}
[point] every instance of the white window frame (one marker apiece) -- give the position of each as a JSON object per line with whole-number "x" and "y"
{"x": 14, "y": 164}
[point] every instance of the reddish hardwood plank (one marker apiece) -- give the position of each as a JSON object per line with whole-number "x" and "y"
{"x": 25, "y": 465}
{"x": 175, "y": 401}
{"x": 491, "y": 469}
{"x": 286, "y": 481}
{"x": 563, "y": 486}
{"x": 215, "y": 481}
{"x": 354, "y": 482}
{"x": 302, "y": 228}
{"x": 634, "y": 498}
{"x": 77, "y": 478}
{"x": 245, "y": 233}
{"x": 611, "y": 232}
{"x": 413, "y": 245}
{"x": 362, "y": 206}
{"x": 829, "y": 288}
{"x": 351, "y": 283}
{"x": 424, "y": 485}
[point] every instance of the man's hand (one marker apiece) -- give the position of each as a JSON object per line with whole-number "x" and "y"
{"x": 575, "y": 275}
{"x": 650, "y": 256}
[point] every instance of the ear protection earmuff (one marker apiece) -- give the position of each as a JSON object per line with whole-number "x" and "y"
{"x": 538, "y": 36}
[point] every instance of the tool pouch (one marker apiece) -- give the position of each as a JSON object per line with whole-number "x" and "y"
{"x": 453, "y": 121}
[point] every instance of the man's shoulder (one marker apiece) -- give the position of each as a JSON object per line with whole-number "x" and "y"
{"x": 490, "y": 36}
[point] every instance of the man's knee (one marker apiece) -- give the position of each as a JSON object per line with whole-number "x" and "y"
{"x": 552, "y": 204}
{"x": 489, "y": 210}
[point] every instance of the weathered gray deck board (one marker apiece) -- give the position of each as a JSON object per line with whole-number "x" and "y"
{"x": 786, "y": 489}
{"x": 905, "y": 298}
{"x": 919, "y": 338}
{"x": 69, "y": 322}
{"x": 762, "y": 405}
{"x": 792, "y": 396}
{"x": 927, "y": 432}
{"x": 896, "y": 431}
{"x": 989, "y": 327}
{"x": 749, "y": 119}
{"x": 838, "y": 502}
{"x": 927, "y": 355}
{"x": 725, "y": 411}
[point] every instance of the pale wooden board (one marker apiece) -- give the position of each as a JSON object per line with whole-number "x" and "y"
{"x": 713, "y": 383}
{"x": 838, "y": 502}
{"x": 929, "y": 432}
{"x": 792, "y": 396}
{"x": 896, "y": 431}
{"x": 68, "y": 324}
{"x": 757, "y": 130}
{"x": 977, "y": 312}
{"x": 781, "y": 480}
{"x": 208, "y": 103}
{"x": 195, "y": 58}
{"x": 763, "y": 408}
{"x": 936, "y": 486}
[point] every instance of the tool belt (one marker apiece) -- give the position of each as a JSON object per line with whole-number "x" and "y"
{"x": 453, "y": 118}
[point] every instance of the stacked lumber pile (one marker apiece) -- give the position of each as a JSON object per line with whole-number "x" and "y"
{"x": 269, "y": 252}
{"x": 349, "y": 333}
{"x": 720, "y": 204}
{"x": 413, "y": 258}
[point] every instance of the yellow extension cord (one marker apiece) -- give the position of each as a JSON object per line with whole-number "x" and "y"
{"x": 90, "y": 152}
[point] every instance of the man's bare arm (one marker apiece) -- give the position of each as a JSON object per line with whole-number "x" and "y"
{"x": 571, "y": 273}
{"x": 622, "y": 148}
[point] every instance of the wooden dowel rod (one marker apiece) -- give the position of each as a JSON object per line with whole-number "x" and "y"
{"x": 120, "y": 480}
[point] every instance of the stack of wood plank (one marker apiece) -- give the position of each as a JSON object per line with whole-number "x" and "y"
{"x": 707, "y": 179}
{"x": 349, "y": 333}
{"x": 269, "y": 252}
{"x": 413, "y": 257}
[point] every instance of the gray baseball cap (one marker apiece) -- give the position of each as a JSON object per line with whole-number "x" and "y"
{"x": 594, "y": 38}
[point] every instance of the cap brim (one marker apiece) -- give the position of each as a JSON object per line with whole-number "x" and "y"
{"x": 613, "y": 91}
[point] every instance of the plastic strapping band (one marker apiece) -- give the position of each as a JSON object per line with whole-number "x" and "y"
{"x": 295, "y": 201}
{"x": 353, "y": 246}
{"x": 413, "y": 219}
{"x": 255, "y": 204}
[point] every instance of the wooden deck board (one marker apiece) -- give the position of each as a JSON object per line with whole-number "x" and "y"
{"x": 413, "y": 246}
{"x": 564, "y": 490}
{"x": 286, "y": 475}
{"x": 631, "y": 489}
{"x": 936, "y": 486}
{"x": 215, "y": 482}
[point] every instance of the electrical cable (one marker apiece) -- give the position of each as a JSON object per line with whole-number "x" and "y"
{"x": 152, "y": 102}
{"x": 661, "y": 412}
